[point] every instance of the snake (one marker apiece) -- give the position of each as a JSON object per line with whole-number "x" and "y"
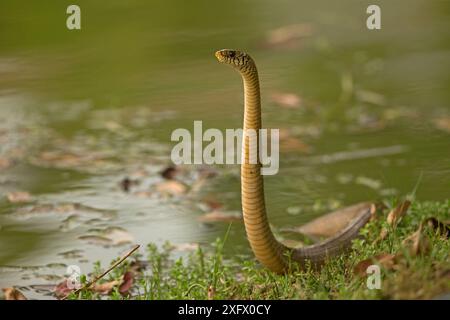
{"x": 270, "y": 252}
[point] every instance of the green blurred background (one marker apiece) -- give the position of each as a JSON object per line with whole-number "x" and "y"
{"x": 365, "y": 114}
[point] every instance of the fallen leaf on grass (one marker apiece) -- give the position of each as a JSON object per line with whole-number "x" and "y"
{"x": 211, "y": 293}
{"x": 384, "y": 260}
{"x": 397, "y": 213}
{"x": 394, "y": 217}
{"x": 219, "y": 216}
{"x": 330, "y": 224}
{"x": 286, "y": 100}
{"x": 61, "y": 290}
{"x": 105, "y": 287}
{"x": 292, "y": 243}
{"x": 127, "y": 282}
{"x": 441, "y": 227}
{"x": 18, "y": 197}
{"x": 13, "y": 294}
{"x": 417, "y": 243}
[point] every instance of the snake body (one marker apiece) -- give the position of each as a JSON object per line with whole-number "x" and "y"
{"x": 270, "y": 252}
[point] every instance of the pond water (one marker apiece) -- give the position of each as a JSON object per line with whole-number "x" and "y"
{"x": 364, "y": 115}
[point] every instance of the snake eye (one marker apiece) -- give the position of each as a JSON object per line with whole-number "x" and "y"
{"x": 231, "y": 54}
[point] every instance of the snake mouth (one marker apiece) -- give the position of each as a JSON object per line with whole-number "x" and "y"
{"x": 219, "y": 55}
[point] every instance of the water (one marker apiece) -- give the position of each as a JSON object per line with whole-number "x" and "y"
{"x": 81, "y": 110}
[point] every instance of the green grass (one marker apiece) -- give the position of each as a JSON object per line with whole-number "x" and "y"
{"x": 207, "y": 273}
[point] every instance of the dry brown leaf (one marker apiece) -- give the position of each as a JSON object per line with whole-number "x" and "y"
{"x": 13, "y": 294}
{"x": 333, "y": 222}
{"x": 373, "y": 212}
{"x": 127, "y": 282}
{"x": 106, "y": 287}
{"x": 5, "y": 163}
{"x": 171, "y": 187}
{"x": 441, "y": 227}
{"x": 18, "y": 197}
{"x": 219, "y": 216}
{"x": 397, "y": 213}
{"x": 213, "y": 204}
{"x": 211, "y": 293}
{"x": 384, "y": 260}
{"x": 61, "y": 289}
{"x": 417, "y": 243}
{"x": 127, "y": 183}
{"x": 394, "y": 218}
{"x": 286, "y": 100}
{"x": 292, "y": 243}
{"x": 443, "y": 124}
{"x": 289, "y": 143}
{"x": 170, "y": 172}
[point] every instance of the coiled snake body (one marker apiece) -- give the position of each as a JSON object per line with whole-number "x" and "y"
{"x": 270, "y": 252}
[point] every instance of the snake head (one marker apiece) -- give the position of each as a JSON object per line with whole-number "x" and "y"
{"x": 235, "y": 58}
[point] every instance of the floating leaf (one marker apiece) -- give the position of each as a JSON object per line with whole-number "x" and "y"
{"x": 288, "y": 36}
{"x": 220, "y": 216}
{"x": 170, "y": 172}
{"x": 13, "y": 294}
{"x": 125, "y": 184}
{"x": 371, "y": 97}
{"x": 289, "y": 143}
{"x": 213, "y": 204}
{"x": 186, "y": 246}
{"x": 5, "y": 163}
{"x": 97, "y": 240}
{"x": 368, "y": 182}
{"x": 171, "y": 187}
{"x": 286, "y": 100}
{"x": 18, "y": 197}
{"x": 443, "y": 124}
{"x": 114, "y": 236}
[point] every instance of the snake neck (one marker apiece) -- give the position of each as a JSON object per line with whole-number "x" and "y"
{"x": 264, "y": 245}
{"x": 266, "y": 248}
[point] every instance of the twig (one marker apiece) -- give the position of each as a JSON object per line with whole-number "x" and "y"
{"x": 87, "y": 285}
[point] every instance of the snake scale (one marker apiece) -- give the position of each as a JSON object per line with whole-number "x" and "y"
{"x": 270, "y": 252}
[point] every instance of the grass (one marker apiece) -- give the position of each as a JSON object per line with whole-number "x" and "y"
{"x": 207, "y": 274}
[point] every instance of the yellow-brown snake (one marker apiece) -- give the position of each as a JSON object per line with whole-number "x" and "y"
{"x": 270, "y": 252}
